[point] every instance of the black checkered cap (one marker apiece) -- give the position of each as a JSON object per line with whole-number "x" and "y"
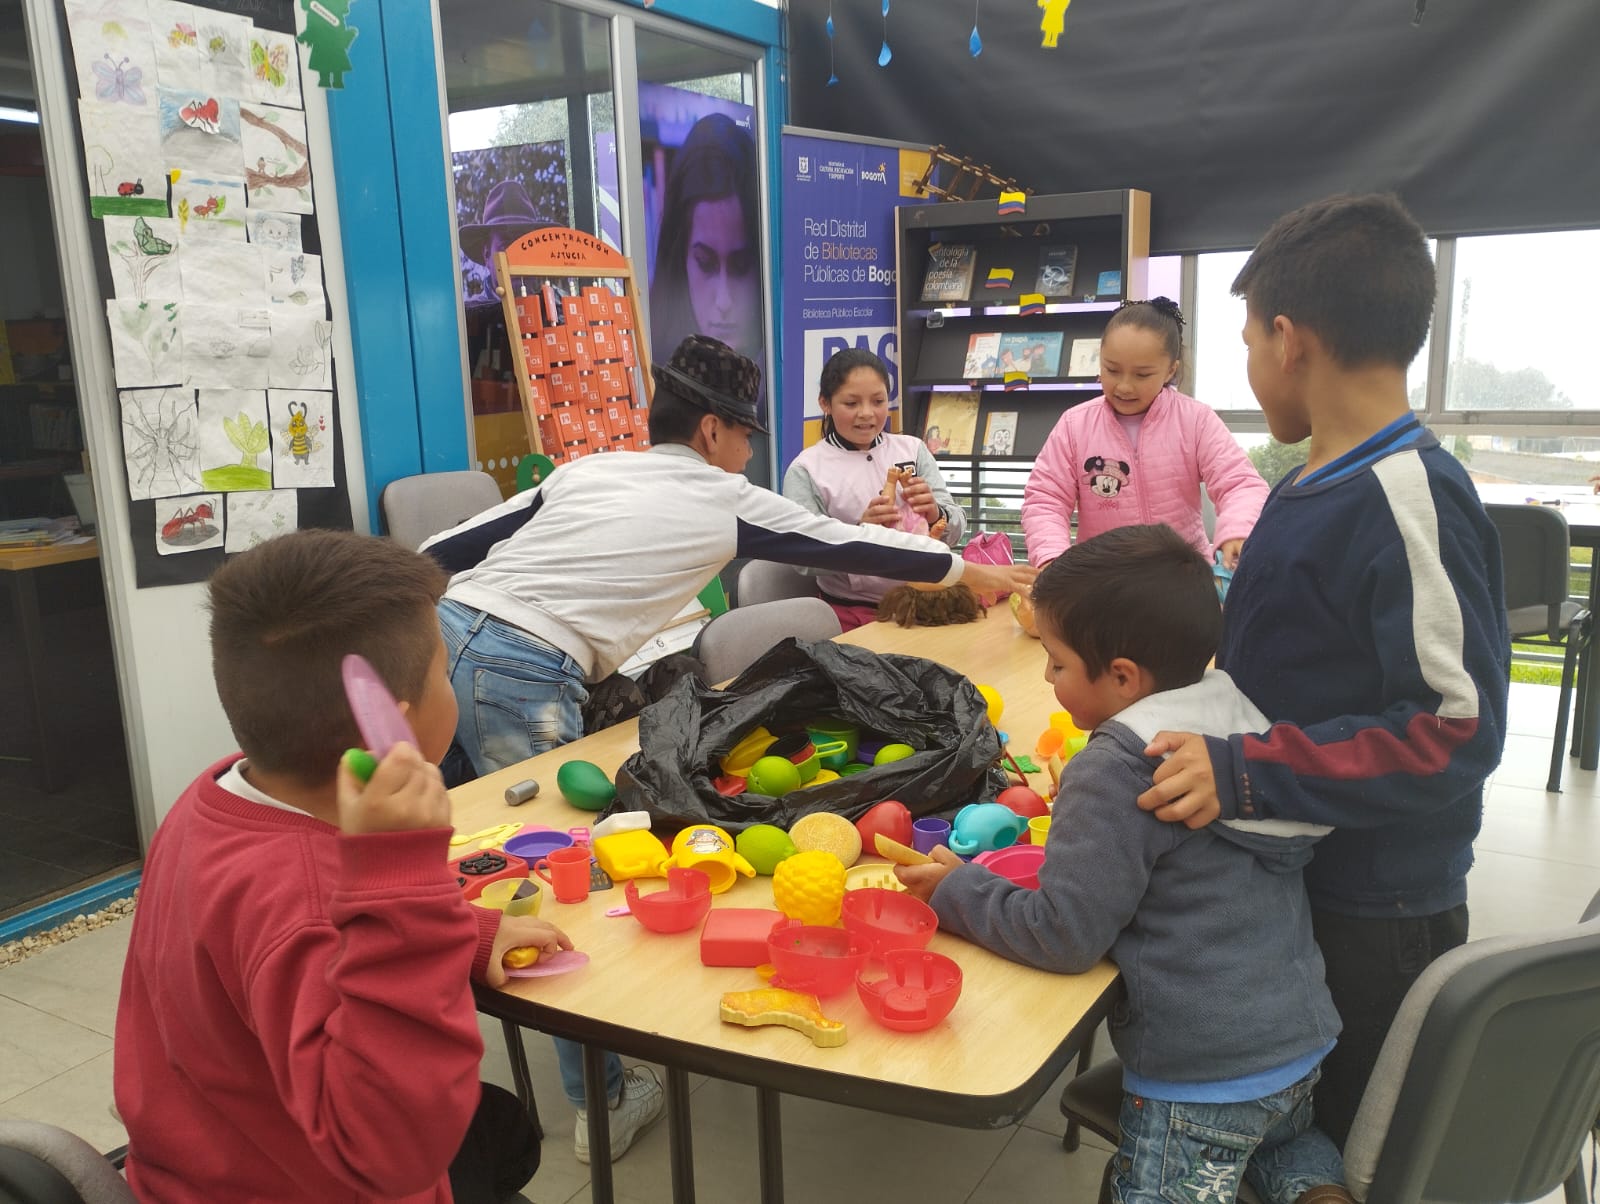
{"x": 714, "y": 377}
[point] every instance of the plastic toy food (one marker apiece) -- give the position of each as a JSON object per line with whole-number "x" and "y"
{"x": 981, "y": 827}
{"x": 707, "y": 848}
{"x": 679, "y": 907}
{"x": 888, "y": 818}
{"x": 995, "y": 705}
{"x": 585, "y": 785}
{"x": 634, "y": 854}
{"x": 764, "y": 846}
{"x": 771, "y": 1005}
{"x": 774, "y": 776}
{"x": 898, "y": 853}
{"x": 887, "y": 920}
{"x": 520, "y": 958}
{"x": 892, "y": 752}
{"x": 825, "y": 830}
{"x": 919, "y": 990}
{"x": 1022, "y": 612}
{"x": 809, "y": 886}
{"x": 1024, "y": 800}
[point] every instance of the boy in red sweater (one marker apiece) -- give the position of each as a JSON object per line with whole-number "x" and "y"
{"x": 296, "y": 1020}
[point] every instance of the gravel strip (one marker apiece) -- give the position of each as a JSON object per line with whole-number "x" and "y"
{"x": 16, "y": 951}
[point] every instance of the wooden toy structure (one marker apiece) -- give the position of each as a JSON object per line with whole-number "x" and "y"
{"x": 580, "y": 354}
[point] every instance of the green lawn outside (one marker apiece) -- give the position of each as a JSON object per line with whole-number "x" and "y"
{"x": 1526, "y": 670}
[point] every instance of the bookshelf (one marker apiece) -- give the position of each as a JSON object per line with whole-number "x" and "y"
{"x": 1108, "y": 232}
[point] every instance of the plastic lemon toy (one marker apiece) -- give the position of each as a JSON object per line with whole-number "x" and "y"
{"x": 809, "y": 887}
{"x": 765, "y": 847}
{"x": 993, "y": 702}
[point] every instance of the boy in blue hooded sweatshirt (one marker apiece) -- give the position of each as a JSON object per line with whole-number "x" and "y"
{"x": 1207, "y": 927}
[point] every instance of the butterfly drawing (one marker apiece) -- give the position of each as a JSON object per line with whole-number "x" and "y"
{"x": 118, "y": 81}
{"x": 149, "y": 244}
{"x": 202, "y": 115}
{"x": 297, "y": 268}
{"x": 269, "y": 64}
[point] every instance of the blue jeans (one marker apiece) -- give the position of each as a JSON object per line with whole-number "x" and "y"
{"x": 1175, "y": 1153}
{"x": 518, "y": 696}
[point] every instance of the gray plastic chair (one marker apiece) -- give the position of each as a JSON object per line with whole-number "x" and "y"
{"x": 1535, "y": 550}
{"x": 768, "y": 581}
{"x": 730, "y": 642}
{"x": 416, "y": 507}
{"x": 42, "y": 1164}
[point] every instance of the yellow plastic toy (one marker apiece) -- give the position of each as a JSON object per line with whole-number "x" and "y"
{"x": 792, "y": 1009}
{"x": 635, "y": 854}
{"x": 809, "y": 887}
{"x": 750, "y": 749}
{"x": 707, "y": 848}
{"x": 833, "y": 833}
{"x": 995, "y": 704}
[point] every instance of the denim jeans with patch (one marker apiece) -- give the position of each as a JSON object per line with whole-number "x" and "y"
{"x": 518, "y": 695}
{"x": 1184, "y": 1153}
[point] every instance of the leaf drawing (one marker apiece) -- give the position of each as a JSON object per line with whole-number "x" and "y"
{"x": 307, "y": 362}
{"x": 249, "y": 437}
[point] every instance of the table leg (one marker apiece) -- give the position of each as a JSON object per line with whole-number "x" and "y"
{"x": 769, "y": 1143}
{"x": 1589, "y": 686}
{"x": 680, "y": 1135}
{"x": 517, "y": 1055}
{"x": 599, "y": 1110}
{"x": 25, "y": 609}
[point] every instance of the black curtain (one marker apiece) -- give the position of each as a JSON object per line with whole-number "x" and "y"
{"x": 1485, "y": 117}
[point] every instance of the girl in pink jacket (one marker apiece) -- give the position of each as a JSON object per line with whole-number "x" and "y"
{"x": 1140, "y": 451}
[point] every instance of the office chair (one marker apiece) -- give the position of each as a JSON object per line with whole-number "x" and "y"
{"x": 731, "y": 642}
{"x": 768, "y": 581}
{"x": 1486, "y": 1088}
{"x": 41, "y": 1164}
{"x": 1535, "y": 551}
{"x": 416, "y": 507}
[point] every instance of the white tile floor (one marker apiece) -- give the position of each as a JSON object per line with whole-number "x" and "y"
{"x": 1538, "y": 864}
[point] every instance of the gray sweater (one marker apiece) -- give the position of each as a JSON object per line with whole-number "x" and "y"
{"x": 1210, "y": 928}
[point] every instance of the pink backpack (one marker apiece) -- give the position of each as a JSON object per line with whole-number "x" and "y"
{"x": 989, "y": 547}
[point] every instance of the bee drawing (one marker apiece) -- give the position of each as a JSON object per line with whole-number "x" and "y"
{"x": 131, "y": 188}
{"x": 302, "y": 439}
{"x": 190, "y": 526}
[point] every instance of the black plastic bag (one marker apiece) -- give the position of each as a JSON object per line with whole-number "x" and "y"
{"x": 919, "y": 702}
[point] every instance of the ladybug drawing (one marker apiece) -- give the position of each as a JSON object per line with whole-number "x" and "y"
{"x": 131, "y": 188}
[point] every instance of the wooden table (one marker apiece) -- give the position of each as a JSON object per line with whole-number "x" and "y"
{"x": 21, "y": 564}
{"x": 647, "y": 996}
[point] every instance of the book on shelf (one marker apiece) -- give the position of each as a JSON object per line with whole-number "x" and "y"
{"x": 983, "y": 356}
{"x": 1039, "y": 355}
{"x": 1085, "y": 359}
{"x": 1057, "y": 269}
{"x": 1109, "y": 284}
{"x": 1000, "y": 433}
{"x": 952, "y": 422}
{"x": 18, "y": 533}
{"x": 949, "y": 273}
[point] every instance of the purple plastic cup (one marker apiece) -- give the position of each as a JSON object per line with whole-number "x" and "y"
{"x": 927, "y": 834}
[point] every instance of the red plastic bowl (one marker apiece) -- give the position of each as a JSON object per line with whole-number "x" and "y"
{"x": 819, "y": 961}
{"x": 919, "y": 990}
{"x": 888, "y": 919}
{"x": 1018, "y": 862}
{"x": 679, "y": 907}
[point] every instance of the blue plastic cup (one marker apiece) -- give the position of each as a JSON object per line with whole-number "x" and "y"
{"x": 928, "y": 834}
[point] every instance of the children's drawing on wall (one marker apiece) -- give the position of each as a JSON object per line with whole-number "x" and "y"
{"x": 294, "y": 279}
{"x": 224, "y": 41}
{"x": 160, "y": 441}
{"x": 277, "y": 169}
{"x": 146, "y": 344}
{"x": 176, "y": 40}
{"x": 257, "y": 517}
{"x": 200, "y": 132}
{"x": 208, "y": 207}
{"x": 274, "y": 69}
{"x": 274, "y": 231}
{"x": 302, "y": 353}
{"x": 188, "y": 524}
{"x": 144, "y": 258}
{"x": 302, "y": 438}
{"x": 226, "y": 348}
{"x": 122, "y": 160}
{"x": 113, "y": 51}
{"x": 235, "y": 444}
{"x": 224, "y": 274}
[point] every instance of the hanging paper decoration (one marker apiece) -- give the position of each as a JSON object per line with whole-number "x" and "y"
{"x": 833, "y": 76}
{"x": 975, "y": 43}
{"x": 885, "y": 54}
{"x": 999, "y": 278}
{"x": 1030, "y": 304}
{"x": 1055, "y": 20}
{"x": 329, "y": 33}
{"x": 1012, "y": 204}
{"x": 1015, "y": 381}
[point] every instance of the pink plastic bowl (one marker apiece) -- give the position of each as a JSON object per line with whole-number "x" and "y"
{"x": 819, "y": 961}
{"x": 682, "y": 905}
{"x": 919, "y": 990}
{"x": 888, "y": 919}
{"x": 1018, "y": 862}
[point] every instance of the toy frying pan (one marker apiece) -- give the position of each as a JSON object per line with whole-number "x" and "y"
{"x": 377, "y": 714}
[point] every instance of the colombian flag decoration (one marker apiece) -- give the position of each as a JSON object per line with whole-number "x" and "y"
{"x": 1012, "y": 204}
{"x": 1031, "y": 303}
{"x": 999, "y": 278}
{"x": 1016, "y": 380}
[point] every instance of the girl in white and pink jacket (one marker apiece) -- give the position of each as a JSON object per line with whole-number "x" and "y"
{"x": 1140, "y": 451}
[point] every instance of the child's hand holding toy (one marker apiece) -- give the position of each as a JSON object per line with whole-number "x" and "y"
{"x": 920, "y": 881}
{"x": 523, "y": 932}
{"x": 403, "y": 793}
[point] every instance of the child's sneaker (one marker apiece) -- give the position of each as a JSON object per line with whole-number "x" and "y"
{"x": 640, "y": 1105}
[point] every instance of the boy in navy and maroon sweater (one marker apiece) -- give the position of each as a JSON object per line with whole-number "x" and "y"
{"x": 296, "y": 1020}
{"x": 1366, "y": 619}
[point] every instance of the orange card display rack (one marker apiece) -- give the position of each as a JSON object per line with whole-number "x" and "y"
{"x": 580, "y": 355}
